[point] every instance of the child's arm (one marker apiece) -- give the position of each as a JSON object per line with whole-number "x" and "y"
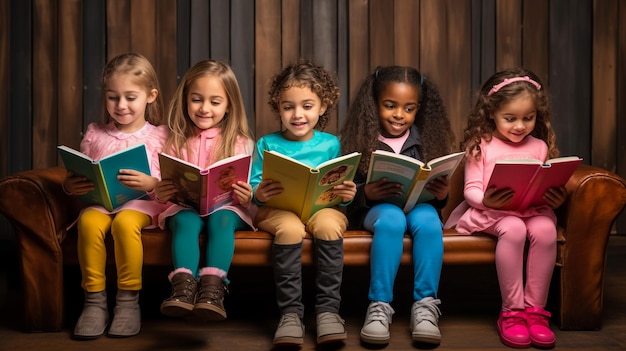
{"x": 243, "y": 192}
{"x": 77, "y": 185}
{"x": 347, "y": 191}
{"x": 165, "y": 190}
{"x": 137, "y": 180}
{"x": 555, "y": 196}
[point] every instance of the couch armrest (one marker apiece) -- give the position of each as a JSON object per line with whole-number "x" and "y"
{"x": 35, "y": 204}
{"x": 595, "y": 198}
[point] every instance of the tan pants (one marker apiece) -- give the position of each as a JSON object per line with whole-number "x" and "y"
{"x": 326, "y": 224}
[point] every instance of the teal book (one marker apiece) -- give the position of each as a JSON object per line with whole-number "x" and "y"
{"x": 108, "y": 191}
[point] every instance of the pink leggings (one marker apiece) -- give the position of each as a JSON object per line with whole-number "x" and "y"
{"x": 512, "y": 233}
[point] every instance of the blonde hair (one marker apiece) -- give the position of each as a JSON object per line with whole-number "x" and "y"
{"x": 233, "y": 125}
{"x": 143, "y": 74}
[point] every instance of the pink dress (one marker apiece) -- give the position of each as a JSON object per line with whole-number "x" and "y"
{"x": 201, "y": 147}
{"x": 100, "y": 141}
{"x": 471, "y": 215}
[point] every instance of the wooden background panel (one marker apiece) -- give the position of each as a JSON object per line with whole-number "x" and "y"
{"x": 93, "y": 57}
{"x": 406, "y": 33}
{"x": 44, "y": 89}
{"x": 294, "y": 15}
{"x": 220, "y": 30}
{"x": 118, "y": 28}
{"x": 485, "y": 14}
{"x": 604, "y": 108}
{"x": 508, "y": 33}
{"x": 535, "y": 42}
{"x": 267, "y": 61}
{"x": 199, "y": 36}
{"x": 165, "y": 39}
{"x": 242, "y": 53}
{"x": 143, "y": 37}
{"x": 70, "y": 81}
{"x": 4, "y": 86}
{"x": 381, "y": 33}
{"x": 183, "y": 37}
{"x": 342, "y": 61}
{"x": 621, "y": 101}
{"x": 358, "y": 53}
{"x": 570, "y": 83}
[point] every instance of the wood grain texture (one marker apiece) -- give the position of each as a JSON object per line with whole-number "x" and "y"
{"x": 296, "y": 22}
{"x": 358, "y": 52}
{"x": 143, "y": 34}
{"x": 508, "y": 34}
{"x": 325, "y": 44}
{"x": 535, "y": 42}
{"x": 220, "y": 30}
{"x": 406, "y": 28}
{"x": 118, "y": 28}
{"x": 381, "y": 16}
{"x": 166, "y": 61}
{"x": 242, "y": 51}
{"x": 199, "y": 36}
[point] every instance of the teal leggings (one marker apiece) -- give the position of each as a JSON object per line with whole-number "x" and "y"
{"x": 186, "y": 227}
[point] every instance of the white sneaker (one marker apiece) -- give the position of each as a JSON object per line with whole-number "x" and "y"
{"x": 376, "y": 327}
{"x": 424, "y": 318}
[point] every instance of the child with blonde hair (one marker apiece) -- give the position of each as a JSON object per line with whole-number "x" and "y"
{"x": 131, "y": 115}
{"x": 207, "y": 122}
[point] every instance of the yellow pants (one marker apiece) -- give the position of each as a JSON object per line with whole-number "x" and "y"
{"x": 125, "y": 227}
{"x": 287, "y": 228}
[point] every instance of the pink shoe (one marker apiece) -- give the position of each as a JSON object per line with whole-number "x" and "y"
{"x": 539, "y": 327}
{"x": 513, "y": 330}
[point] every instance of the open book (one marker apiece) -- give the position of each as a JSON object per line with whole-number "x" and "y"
{"x": 208, "y": 189}
{"x": 108, "y": 191}
{"x": 530, "y": 179}
{"x": 307, "y": 189}
{"x": 412, "y": 174}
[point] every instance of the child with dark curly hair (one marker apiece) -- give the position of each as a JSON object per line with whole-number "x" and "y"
{"x": 398, "y": 110}
{"x": 302, "y": 96}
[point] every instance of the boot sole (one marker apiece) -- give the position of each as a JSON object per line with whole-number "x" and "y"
{"x": 208, "y": 312}
{"x": 375, "y": 340}
{"x": 427, "y": 339}
{"x": 176, "y": 309}
{"x": 288, "y": 341}
{"x": 327, "y": 339}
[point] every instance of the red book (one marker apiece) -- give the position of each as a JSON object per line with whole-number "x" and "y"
{"x": 205, "y": 190}
{"x": 530, "y": 179}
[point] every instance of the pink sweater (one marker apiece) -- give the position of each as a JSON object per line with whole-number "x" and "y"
{"x": 471, "y": 216}
{"x": 100, "y": 141}
{"x": 201, "y": 153}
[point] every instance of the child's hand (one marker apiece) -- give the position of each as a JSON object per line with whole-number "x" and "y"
{"x": 382, "y": 189}
{"x": 498, "y": 199}
{"x": 77, "y": 185}
{"x": 439, "y": 187}
{"x": 165, "y": 190}
{"x": 267, "y": 189}
{"x": 346, "y": 190}
{"x": 555, "y": 196}
{"x": 136, "y": 180}
{"x": 243, "y": 191}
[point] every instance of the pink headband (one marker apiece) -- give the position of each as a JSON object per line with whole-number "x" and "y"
{"x": 508, "y": 81}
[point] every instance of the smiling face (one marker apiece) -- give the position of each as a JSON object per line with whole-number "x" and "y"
{"x": 397, "y": 107}
{"x": 126, "y": 102}
{"x": 300, "y": 109}
{"x": 516, "y": 119}
{"x": 207, "y": 102}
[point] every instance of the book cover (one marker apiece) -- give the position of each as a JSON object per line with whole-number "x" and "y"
{"x": 307, "y": 189}
{"x": 108, "y": 191}
{"x": 208, "y": 189}
{"x": 530, "y": 179}
{"x": 412, "y": 174}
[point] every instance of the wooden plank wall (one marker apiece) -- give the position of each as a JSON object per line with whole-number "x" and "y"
{"x": 52, "y": 53}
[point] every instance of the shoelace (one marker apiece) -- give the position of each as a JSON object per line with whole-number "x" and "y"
{"x": 186, "y": 290}
{"x": 427, "y": 311}
{"x": 290, "y": 319}
{"x": 211, "y": 292}
{"x": 328, "y": 317}
{"x": 379, "y": 311}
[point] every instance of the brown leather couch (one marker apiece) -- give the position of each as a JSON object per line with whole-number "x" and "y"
{"x": 39, "y": 211}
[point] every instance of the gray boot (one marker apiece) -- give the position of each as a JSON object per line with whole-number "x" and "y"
{"x": 288, "y": 279}
{"x": 126, "y": 315}
{"x": 330, "y": 326}
{"x": 94, "y": 318}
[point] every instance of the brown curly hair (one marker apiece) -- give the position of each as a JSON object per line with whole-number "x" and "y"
{"x": 362, "y": 126}
{"x": 305, "y": 73}
{"x": 480, "y": 125}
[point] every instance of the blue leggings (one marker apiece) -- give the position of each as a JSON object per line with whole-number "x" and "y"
{"x": 186, "y": 227}
{"x": 389, "y": 223}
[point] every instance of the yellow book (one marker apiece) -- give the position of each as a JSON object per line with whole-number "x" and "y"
{"x": 307, "y": 189}
{"x": 412, "y": 174}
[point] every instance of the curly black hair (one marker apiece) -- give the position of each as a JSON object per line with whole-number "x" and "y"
{"x": 362, "y": 127}
{"x": 305, "y": 73}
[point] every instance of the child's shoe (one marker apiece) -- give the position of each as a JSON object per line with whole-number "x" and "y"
{"x": 210, "y": 299}
{"x": 513, "y": 330}
{"x": 539, "y": 327}
{"x": 126, "y": 315}
{"x": 330, "y": 328}
{"x": 424, "y": 321}
{"x": 376, "y": 327}
{"x": 290, "y": 330}
{"x": 94, "y": 318}
{"x": 181, "y": 301}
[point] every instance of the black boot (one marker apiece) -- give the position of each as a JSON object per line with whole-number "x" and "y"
{"x": 330, "y": 326}
{"x": 288, "y": 279}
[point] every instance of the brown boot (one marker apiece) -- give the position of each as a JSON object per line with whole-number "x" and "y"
{"x": 210, "y": 299}
{"x": 180, "y": 303}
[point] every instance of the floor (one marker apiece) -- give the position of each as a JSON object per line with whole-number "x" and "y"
{"x": 466, "y": 324}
